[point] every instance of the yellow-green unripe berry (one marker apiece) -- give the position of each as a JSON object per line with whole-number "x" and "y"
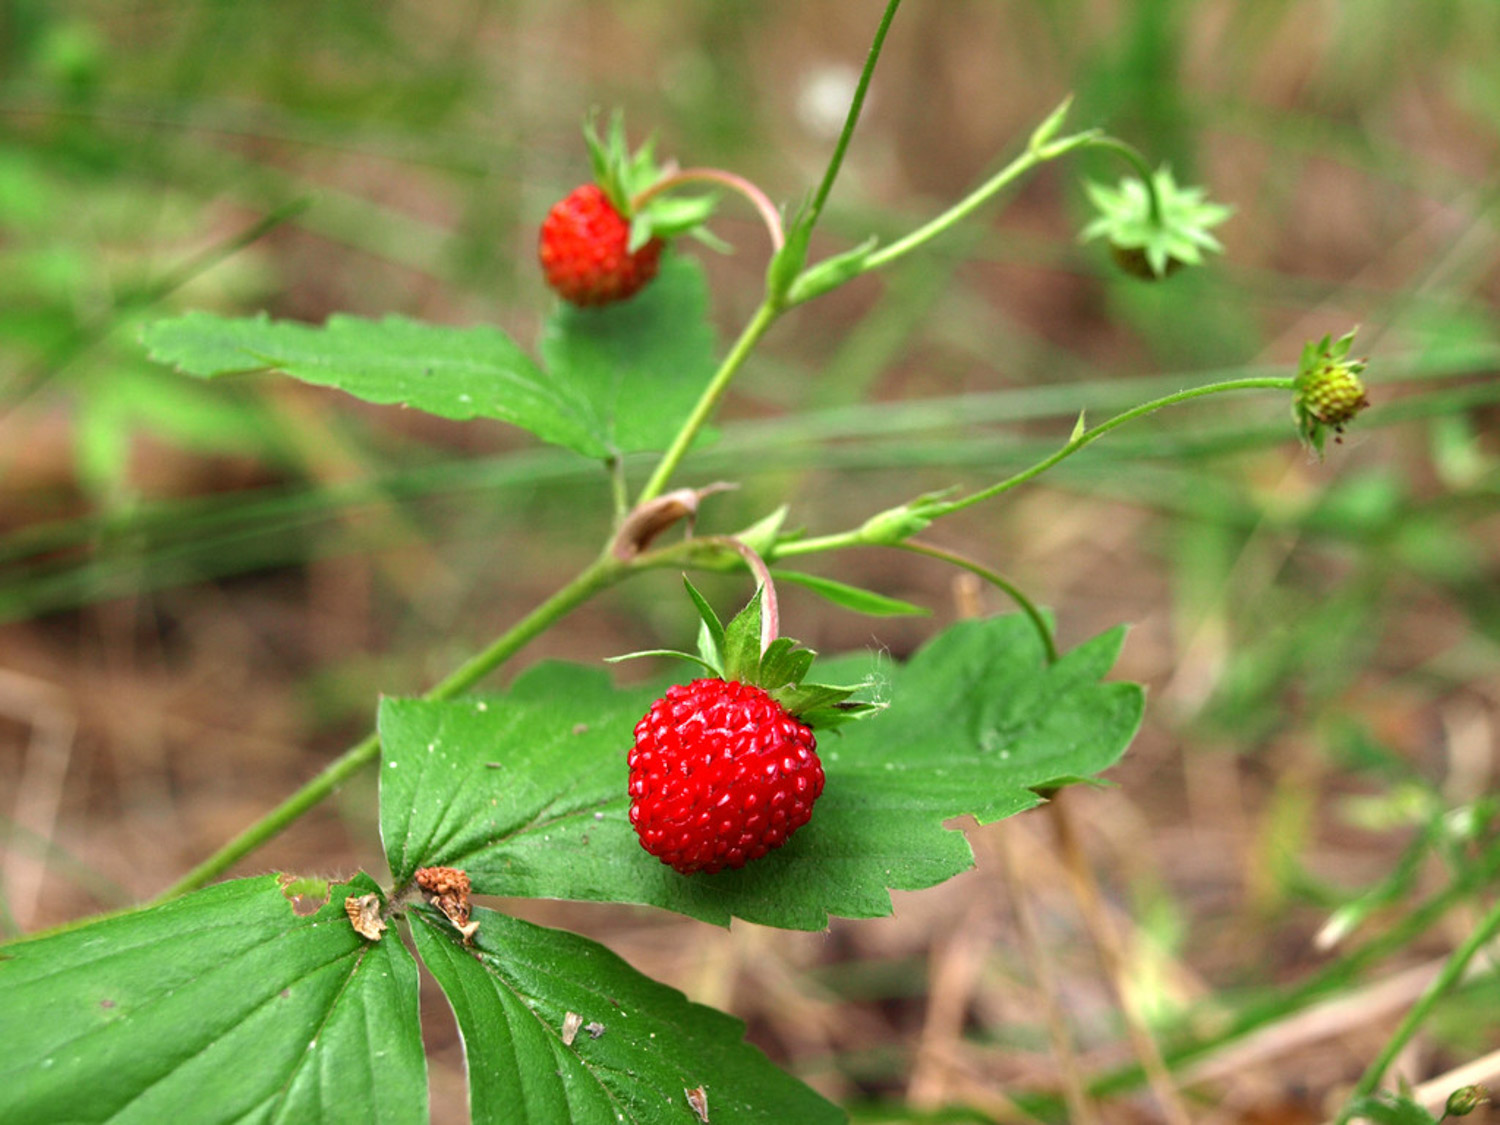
{"x": 1328, "y": 390}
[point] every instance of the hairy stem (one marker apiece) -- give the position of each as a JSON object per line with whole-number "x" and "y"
{"x": 603, "y": 572}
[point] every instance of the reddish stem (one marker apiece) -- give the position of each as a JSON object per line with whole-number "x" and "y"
{"x": 768, "y": 213}
{"x": 770, "y": 614}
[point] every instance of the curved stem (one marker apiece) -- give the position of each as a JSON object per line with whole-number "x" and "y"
{"x": 851, "y": 119}
{"x": 999, "y": 581}
{"x": 1092, "y": 435}
{"x": 768, "y": 213}
{"x": 770, "y": 611}
{"x": 1452, "y": 973}
{"x": 603, "y": 572}
{"x": 762, "y": 320}
{"x": 1133, "y": 157}
{"x": 958, "y": 212}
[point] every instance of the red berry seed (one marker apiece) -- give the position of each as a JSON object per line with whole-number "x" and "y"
{"x": 585, "y": 250}
{"x": 720, "y": 775}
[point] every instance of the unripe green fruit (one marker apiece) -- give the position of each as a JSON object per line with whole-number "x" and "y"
{"x": 1334, "y": 394}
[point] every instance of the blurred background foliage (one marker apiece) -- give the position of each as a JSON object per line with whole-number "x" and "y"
{"x": 204, "y": 587}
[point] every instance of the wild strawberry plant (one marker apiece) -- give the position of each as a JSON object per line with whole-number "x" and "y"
{"x": 753, "y": 792}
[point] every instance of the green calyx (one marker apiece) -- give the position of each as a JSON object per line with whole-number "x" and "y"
{"x": 1152, "y": 239}
{"x": 632, "y": 181}
{"x": 1329, "y": 392}
{"x": 741, "y": 653}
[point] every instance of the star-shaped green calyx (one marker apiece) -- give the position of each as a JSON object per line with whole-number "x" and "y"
{"x": 633, "y": 181}
{"x": 743, "y": 652}
{"x": 1152, "y": 240}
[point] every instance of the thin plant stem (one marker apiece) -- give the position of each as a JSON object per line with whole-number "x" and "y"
{"x": 758, "y": 199}
{"x": 603, "y": 572}
{"x": 770, "y": 610}
{"x": 1091, "y": 904}
{"x": 936, "y": 509}
{"x": 958, "y": 212}
{"x": 707, "y": 402}
{"x": 1133, "y": 157}
{"x": 1091, "y": 435}
{"x": 999, "y": 581}
{"x": 851, "y": 119}
{"x": 1451, "y": 974}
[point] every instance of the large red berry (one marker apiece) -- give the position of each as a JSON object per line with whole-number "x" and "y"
{"x": 720, "y": 774}
{"x": 585, "y": 250}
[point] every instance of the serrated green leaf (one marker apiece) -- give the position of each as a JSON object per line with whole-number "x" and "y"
{"x": 458, "y": 373}
{"x": 526, "y": 791}
{"x": 232, "y": 1004}
{"x": 635, "y": 367}
{"x": 638, "y": 1048}
{"x": 851, "y": 597}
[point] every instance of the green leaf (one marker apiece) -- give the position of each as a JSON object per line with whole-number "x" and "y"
{"x": 457, "y": 373}
{"x": 852, "y": 597}
{"x": 637, "y": 366}
{"x": 638, "y": 1048}
{"x": 526, "y": 791}
{"x": 240, "y": 1002}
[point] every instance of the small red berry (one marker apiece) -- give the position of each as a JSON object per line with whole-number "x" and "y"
{"x": 720, "y": 774}
{"x": 585, "y": 250}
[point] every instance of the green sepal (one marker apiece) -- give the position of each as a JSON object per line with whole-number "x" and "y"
{"x": 711, "y": 668}
{"x": 830, "y": 273}
{"x": 783, "y": 665}
{"x": 786, "y": 264}
{"x": 711, "y": 629}
{"x": 666, "y": 216}
{"x": 742, "y": 643}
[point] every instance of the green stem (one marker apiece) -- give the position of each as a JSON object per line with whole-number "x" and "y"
{"x": 935, "y": 509}
{"x": 851, "y": 119}
{"x": 1452, "y": 973}
{"x": 753, "y": 331}
{"x": 1089, "y": 436}
{"x": 999, "y": 581}
{"x": 603, "y": 572}
{"x": 1134, "y": 158}
{"x": 959, "y": 211}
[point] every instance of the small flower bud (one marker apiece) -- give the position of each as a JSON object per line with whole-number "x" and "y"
{"x": 1329, "y": 392}
{"x": 1465, "y": 1100}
